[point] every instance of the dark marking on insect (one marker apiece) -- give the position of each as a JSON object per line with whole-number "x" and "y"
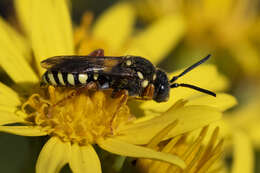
{"x": 134, "y": 74}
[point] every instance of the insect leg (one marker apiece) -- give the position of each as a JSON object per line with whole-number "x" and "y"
{"x": 70, "y": 95}
{"x": 116, "y": 93}
{"x": 98, "y": 52}
{"x": 123, "y": 94}
{"x": 92, "y": 86}
{"x": 148, "y": 92}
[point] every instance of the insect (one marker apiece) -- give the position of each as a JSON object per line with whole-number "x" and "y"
{"x": 133, "y": 75}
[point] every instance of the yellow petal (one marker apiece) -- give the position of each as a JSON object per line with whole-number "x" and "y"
{"x": 54, "y": 155}
{"x": 115, "y": 25}
{"x": 220, "y": 166}
{"x": 224, "y": 132}
{"x": 222, "y": 101}
{"x": 204, "y": 76}
{"x": 84, "y": 159}
{"x": 126, "y": 149}
{"x": 157, "y": 40}
{"x": 245, "y": 49}
{"x": 23, "y": 10}
{"x": 12, "y": 55}
{"x": 243, "y": 154}
{"x": 216, "y": 10}
{"x": 9, "y": 117}
{"x": 8, "y": 96}
{"x": 189, "y": 118}
{"x": 51, "y": 30}
{"x": 8, "y": 108}
{"x": 23, "y": 130}
{"x": 247, "y": 118}
{"x": 18, "y": 41}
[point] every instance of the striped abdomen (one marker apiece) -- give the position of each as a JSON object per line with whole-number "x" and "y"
{"x": 66, "y": 79}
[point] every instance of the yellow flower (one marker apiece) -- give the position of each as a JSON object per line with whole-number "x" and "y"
{"x": 113, "y": 31}
{"x": 202, "y": 149}
{"x": 242, "y": 126}
{"x": 152, "y": 43}
{"x": 77, "y": 119}
{"x": 246, "y": 118}
{"x": 227, "y": 27}
{"x": 238, "y": 145}
{"x": 198, "y": 157}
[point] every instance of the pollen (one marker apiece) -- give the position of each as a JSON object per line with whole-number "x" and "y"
{"x": 81, "y": 115}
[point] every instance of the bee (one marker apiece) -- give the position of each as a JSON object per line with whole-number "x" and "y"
{"x": 132, "y": 75}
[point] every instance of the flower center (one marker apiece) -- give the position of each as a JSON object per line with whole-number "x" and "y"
{"x": 80, "y": 115}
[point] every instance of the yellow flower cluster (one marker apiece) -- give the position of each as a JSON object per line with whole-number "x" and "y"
{"x": 229, "y": 29}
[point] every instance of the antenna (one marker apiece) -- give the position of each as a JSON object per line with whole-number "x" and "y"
{"x": 175, "y": 85}
{"x": 190, "y": 68}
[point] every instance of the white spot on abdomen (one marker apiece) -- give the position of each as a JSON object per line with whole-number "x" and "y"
{"x": 51, "y": 78}
{"x": 70, "y": 79}
{"x": 95, "y": 76}
{"x": 83, "y": 78}
{"x": 61, "y": 78}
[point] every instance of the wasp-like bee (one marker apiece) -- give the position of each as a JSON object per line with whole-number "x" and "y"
{"x": 134, "y": 74}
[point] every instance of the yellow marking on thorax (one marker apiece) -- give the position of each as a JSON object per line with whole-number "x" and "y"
{"x": 128, "y": 62}
{"x": 144, "y": 83}
{"x": 140, "y": 75}
{"x": 154, "y": 76}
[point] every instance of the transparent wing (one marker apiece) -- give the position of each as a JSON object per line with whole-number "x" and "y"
{"x": 82, "y": 64}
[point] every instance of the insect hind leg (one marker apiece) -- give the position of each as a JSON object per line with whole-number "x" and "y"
{"x": 70, "y": 95}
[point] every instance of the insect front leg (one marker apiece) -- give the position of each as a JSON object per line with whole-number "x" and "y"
{"x": 98, "y": 52}
{"x": 148, "y": 92}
